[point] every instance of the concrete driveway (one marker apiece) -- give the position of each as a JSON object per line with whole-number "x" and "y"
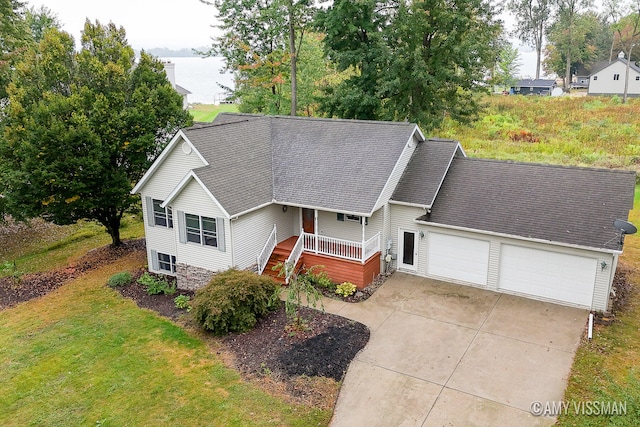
{"x": 444, "y": 354}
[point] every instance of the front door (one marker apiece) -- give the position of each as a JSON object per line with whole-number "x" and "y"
{"x": 408, "y": 245}
{"x": 308, "y": 220}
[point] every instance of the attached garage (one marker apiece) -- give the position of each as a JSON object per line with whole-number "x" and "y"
{"x": 458, "y": 258}
{"x": 546, "y": 274}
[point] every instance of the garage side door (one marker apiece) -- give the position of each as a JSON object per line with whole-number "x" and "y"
{"x": 458, "y": 258}
{"x": 553, "y": 275}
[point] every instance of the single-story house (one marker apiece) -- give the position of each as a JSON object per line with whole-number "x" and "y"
{"x": 610, "y": 79}
{"x": 533, "y": 87}
{"x": 361, "y": 197}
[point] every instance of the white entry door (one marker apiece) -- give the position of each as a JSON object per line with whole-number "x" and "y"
{"x": 408, "y": 249}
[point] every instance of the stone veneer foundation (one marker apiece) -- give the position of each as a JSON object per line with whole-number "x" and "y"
{"x": 192, "y": 278}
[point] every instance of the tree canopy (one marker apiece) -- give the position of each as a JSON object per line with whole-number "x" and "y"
{"x": 82, "y": 127}
{"x": 413, "y": 60}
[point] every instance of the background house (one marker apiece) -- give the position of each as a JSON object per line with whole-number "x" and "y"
{"x": 170, "y": 69}
{"x": 610, "y": 79}
{"x": 533, "y": 87}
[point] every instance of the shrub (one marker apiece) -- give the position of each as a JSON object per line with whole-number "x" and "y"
{"x": 120, "y": 279}
{"x": 157, "y": 285}
{"x": 182, "y": 302}
{"x": 320, "y": 279}
{"x": 346, "y": 289}
{"x": 233, "y": 301}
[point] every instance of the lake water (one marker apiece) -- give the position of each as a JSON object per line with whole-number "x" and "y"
{"x": 202, "y": 77}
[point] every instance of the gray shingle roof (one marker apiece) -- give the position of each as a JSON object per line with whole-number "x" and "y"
{"x": 535, "y": 83}
{"x": 426, "y": 171}
{"x": 557, "y": 203}
{"x": 604, "y": 64}
{"x": 239, "y": 155}
{"x": 340, "y": 165}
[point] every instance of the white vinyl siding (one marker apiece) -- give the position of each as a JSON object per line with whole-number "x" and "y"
{"x": 605, "y": 84}
{"x": 250, "y": 231}
{"x": 330, "y": 226}
{"x": 194, "y": 200}
{"x": 404, "y": 217}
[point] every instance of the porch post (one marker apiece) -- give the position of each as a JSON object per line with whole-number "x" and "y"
{"x": 362, "y": 260}
{"x": 315, "y": 229}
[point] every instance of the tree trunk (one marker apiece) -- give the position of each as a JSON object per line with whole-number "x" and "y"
{"x": 538, "y": 55}
{"x": 567, "y": 74}
{"x": 626, "y": 77}
{"x": 294, "y": 70}
{"x": 112, "y": 224}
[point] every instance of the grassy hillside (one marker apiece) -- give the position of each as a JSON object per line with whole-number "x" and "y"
{"x": 586, "y": 131}
{"x": 206, "y": 113}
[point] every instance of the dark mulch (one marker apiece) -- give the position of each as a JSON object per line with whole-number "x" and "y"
{"x": 324, "y": 348}
{"x": 162, "y": 304}
{"x": 20, "y": 288}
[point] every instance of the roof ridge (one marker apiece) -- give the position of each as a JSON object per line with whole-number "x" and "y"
{"x": 327, "y": 119}
{"x": 550, "y": 165}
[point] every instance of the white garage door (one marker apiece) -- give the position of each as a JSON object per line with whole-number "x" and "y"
{"x": 458, "y": 258}
{"x": 553, "y": 275}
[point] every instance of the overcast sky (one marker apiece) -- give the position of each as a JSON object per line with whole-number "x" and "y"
{"x": 158, "y": 23}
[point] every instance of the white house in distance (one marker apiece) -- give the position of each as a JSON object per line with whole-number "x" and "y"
{"x": 170, "y": 69}
{"x": 610, "y": 79}
{"x": 361, "y": 197}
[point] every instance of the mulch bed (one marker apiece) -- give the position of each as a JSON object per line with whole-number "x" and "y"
{"x": 324, "y": 348}
{"x": 21, "y": 288}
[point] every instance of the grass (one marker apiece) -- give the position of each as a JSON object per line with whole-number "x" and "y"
{"x": 607, "y": 369}
{"x": 83, "y": 355}
{"x": 207, "y": 113}
{"x": 585, "y": 131}
{"x": 48, "y": 247}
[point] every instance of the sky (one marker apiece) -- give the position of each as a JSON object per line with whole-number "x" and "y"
{"x": 173, "y": 24}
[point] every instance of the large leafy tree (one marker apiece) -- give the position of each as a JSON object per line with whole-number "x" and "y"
{"x": 14, "y": 38}
{"x": 413, "y": 60}
{"x": 261, "y": 42}
{"x": 628, "y": 37}
{"x": 82, "y": 127}
{"x": 531, "y": 18}
{"x": 507, "y": 66}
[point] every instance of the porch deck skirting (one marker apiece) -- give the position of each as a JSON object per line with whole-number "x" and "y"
{"x": 344, "y": 270}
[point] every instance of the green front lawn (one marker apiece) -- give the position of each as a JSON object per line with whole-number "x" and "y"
{"x": 83, "y": 355}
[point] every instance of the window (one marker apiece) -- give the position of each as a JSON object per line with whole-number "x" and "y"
{"x": 162, "y": 216}
{"x": 166, "y": 262}
{"x": 201, "y": 229}
{"x": 595, "y": 77}
{"x": 637, "y": 78}
{"x": 354, "y": 218}
{"x": 616, "y": 77}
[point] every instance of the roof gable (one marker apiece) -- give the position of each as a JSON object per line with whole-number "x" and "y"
{"x": 426, "y": 172}
{"x": 575, "y": 206}
{"x": 604, "y": 65}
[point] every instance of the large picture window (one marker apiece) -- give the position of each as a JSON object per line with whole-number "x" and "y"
{"x": 201, "y": 229}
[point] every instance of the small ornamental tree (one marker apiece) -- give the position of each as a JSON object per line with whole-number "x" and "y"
{"x": 82, "y": 127}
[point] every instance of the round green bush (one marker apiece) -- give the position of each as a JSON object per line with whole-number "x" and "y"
{"x": 233, "y": 301}
{"x": 120, "y": 279}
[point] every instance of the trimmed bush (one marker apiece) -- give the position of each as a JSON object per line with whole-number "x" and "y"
{"x": 233, "y": 301}
{"x": 346, "y": 289}
{"x": 120, "y": 279}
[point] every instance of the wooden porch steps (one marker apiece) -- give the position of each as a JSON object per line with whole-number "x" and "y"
{"x": 280, "y": 255}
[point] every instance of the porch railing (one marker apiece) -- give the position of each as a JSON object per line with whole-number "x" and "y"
{"x": 294, "y": 257}
{"x": 267, "y": 250}
{"x": 341, "y": 248}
